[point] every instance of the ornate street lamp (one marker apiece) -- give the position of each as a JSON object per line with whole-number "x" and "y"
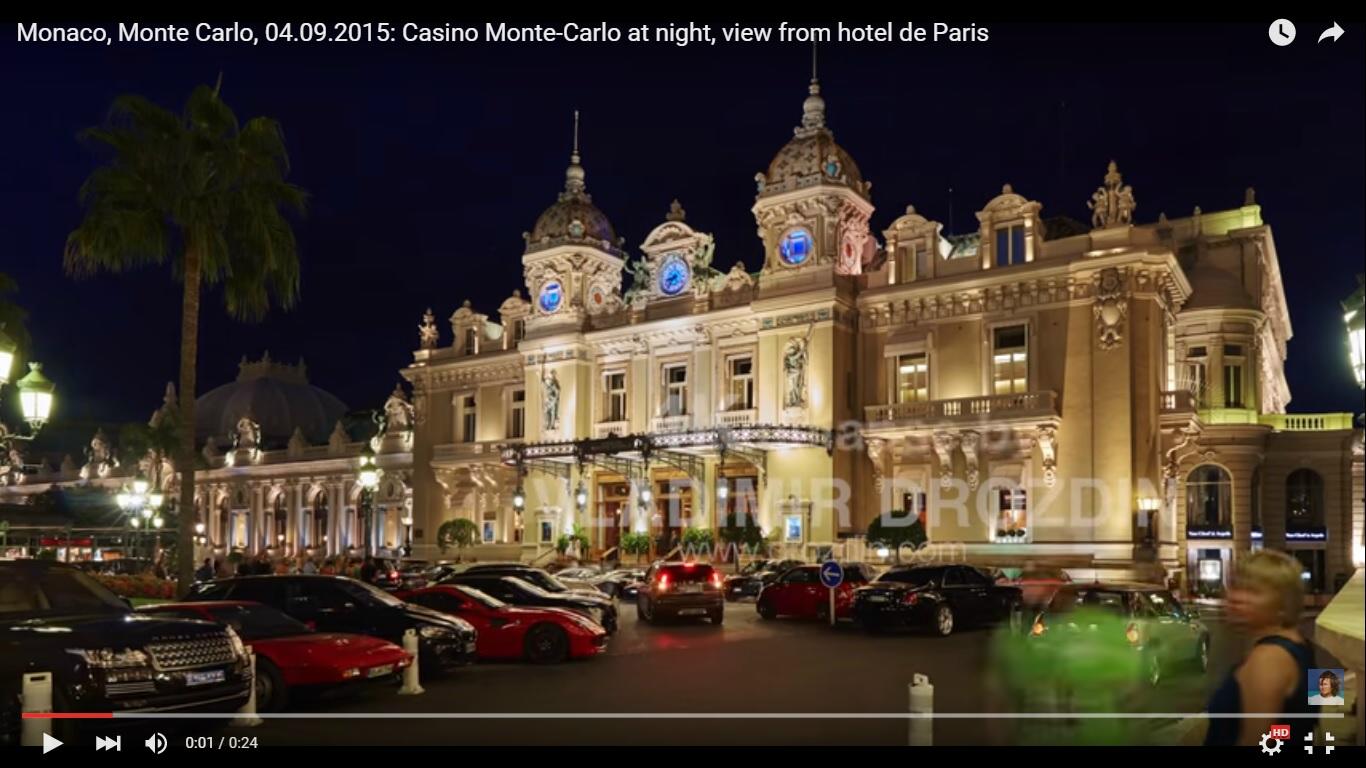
{"x": 8, "y": 348}
{"x": 35, "y": 396}
{"x": 368, "y": 477}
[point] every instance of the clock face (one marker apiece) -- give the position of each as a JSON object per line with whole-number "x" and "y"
{"x": 673, "y": 275}
{"x": 552, "y": 295}
{"x": 795, "y": 247}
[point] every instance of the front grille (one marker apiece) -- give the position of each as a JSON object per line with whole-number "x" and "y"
{"x": 130, "y": 689}
{"x": 173, "y": 653}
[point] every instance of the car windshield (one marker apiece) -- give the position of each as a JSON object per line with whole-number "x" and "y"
{"x": 481, "y": 597}
{"x": 257, "y": 622}
{"x": 370, "y": 594}
{"x": 916, "y": 577}
{"x": 543, "y": 580}
{"x": 35, "y": 592}
{"x": 526, "y": 586}
{"x": 1108, "y": 600}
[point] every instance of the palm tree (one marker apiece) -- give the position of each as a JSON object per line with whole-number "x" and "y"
{"x": 206, "y": 195}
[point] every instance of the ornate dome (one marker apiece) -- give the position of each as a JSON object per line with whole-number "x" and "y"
{"x": 276, "y": 396}
{"x": 573, "y": 218}
{"x": 812, "y": 157}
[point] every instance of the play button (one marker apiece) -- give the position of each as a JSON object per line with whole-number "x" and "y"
{"x": 50, "y": 743}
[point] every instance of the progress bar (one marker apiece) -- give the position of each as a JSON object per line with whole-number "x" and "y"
{"x": 679, "y": 715}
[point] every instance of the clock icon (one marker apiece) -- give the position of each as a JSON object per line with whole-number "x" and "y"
{"x": 1282, "y": 32}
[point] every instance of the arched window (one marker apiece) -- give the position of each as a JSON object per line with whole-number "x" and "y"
{"x": 1209, "y": 498}
{"x": 1303, "y": 501}
{"x": 281, "y": 519}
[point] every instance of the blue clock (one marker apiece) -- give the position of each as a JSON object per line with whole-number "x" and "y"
{"x": 795, "y": 247}
{"x": 673, "y": 276}
{"x": 552, "y": 295}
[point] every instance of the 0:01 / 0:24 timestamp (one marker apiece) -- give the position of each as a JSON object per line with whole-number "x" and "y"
{"x": 220, "y": 742}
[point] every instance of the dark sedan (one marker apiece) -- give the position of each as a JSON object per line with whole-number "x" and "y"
{"x": 527, "y": 573}
{"x": 624, "y": 584}
{"x": 102, "y": 656}
{"x": 752, "y": 578}
{"x": 518, "y": 591}
{"x": 339, "y": 604}
{"x": 940, "y": 598}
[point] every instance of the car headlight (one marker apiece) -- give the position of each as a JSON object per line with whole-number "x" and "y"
{"x": 433, "y": 632}
{"x": 238, "y": 648}
{"x": 109, "y": 658}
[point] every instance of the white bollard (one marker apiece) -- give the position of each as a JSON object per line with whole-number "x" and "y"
{"x": 922, "y": 707}
{"x": 411, "y": 686}
{"x": 246, "y": 716}
{"x": 37, "y": 697}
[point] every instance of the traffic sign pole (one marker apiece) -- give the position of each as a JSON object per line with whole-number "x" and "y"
{"x": 832, "y": 576}
{"x": 832, "y": 606}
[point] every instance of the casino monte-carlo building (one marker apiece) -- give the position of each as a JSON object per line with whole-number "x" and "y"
{"x": 1109, "y": 399}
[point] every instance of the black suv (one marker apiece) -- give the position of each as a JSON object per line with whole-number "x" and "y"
{"x": 339, "y": 604}
{"x": 681, "y": 589}
{"x": 104, "y": 657}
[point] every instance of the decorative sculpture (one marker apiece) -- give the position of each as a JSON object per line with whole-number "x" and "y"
{"x": 1110, "y": 309}
{"x": 1112, "y": 204}
{"x": 99, "y": 457}
{"x": 398, "y": 412}
{"x": 427, "y": 334}
{"x": 247, "y": 436}
{"x": 794, "y": 372}
{"x": 551, "y": 402}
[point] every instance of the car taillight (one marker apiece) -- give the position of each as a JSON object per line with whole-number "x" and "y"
{"x": 716, "y": 579}
{"x": 911, "y": 598}
{"x": 1131, "y": 634}
{"x": 663, "y": 584}
{"x": 393, "y": 575}
{"x": 1039, "y": 628}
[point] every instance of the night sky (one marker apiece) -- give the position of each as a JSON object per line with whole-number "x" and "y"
{"x": 426, "y": 163}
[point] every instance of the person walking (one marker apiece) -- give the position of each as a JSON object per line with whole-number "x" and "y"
{"x": 205, "y": 572}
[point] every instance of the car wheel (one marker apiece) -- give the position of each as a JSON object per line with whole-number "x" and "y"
{"x": 716, "y": 616}
{"x": 1152, "y": 668}
{"x": 546, "y": 644}
{"x": 644, "y": 612}
{"x": 766, "y": 610}
{"x": 943, "y": 620}
{"x": 1202, "y": 654}
{"x": 271, "y": 692}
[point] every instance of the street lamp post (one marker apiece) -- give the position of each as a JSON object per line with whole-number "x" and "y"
{"x": 142, "y": 505}
{"x": 368, "y": 477}
{"x": 35, "y": 396}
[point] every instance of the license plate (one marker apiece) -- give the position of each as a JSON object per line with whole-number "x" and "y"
{"x": 690, "y": 588}
{"x": 469, "y": 647}
{"x": 381, "y": 670}
{"x": 877, "y": 598}
{"x": 691, "y": 611}
{"x": 203, "y": 678}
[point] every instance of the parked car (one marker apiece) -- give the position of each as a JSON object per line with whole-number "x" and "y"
{"x": 537, "y": 576}
{"x": 578, "y": 573}
{"x": 681, "y": 589}
{"x": 103, "y": 656}
{"x": 515, "y": 590}
{"x": 1157, "y": 626}
{"x": 622, "y": 584}
{"x": 539, "y": 635}
{"x": 291, "y": 658}
{"x": 753, "y": 577}
{"x": 799, "y": 592}
{"x": 941, "y": 598}
{"x": 340, "y": 604}
{"x": 1038, "y": 584}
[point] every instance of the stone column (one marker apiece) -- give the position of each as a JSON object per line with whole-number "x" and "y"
{"x": 336, "y": 505}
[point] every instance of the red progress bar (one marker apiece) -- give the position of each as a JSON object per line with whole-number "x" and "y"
{"x": 68, "y": 715}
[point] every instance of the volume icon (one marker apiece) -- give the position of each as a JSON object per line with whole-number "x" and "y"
{"x": 156, "y": 742}
{"x": 104, "y": 744}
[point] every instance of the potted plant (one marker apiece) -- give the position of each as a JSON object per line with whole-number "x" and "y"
{"x": 698, "y": 541}
{"x": 637, "y": 544}
{"x": 459, "y": 533}
{"x": 894, "y": 537}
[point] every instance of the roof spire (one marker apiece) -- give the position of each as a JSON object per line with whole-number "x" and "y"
{"x": 813, "y": 109}
{"x": 574, "y": 175}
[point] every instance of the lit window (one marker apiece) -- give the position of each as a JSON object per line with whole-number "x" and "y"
{"x": 1233, "y": 386}
{"x": 1209, "y": 498}
{"x": 913, "y": 378}
{"x": 467, "y": 417}
{"x": 517, "y": 414}
{"x": 471, "y": 341}
{"x": 792, "y": 528}
{"x": 614, "y": 388}
{"x": 1010, "y": 360}
{"x": 1010, "y": 246}
{"x": 675, "y": 390}
{"x": 741, "y": 385}
{"x": 1012, "y": 513}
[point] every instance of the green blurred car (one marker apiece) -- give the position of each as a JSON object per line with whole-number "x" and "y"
{"x": 1145, "y": 618}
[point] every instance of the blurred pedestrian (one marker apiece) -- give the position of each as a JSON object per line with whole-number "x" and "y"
{"x": 1264, "y": 603}
{"x": 205, "y": 572}
{"x": 368, "y": 570}
{"x": 308, "y": 567}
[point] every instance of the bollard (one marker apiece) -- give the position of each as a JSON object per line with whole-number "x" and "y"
{"x": 246, "y": 716}
{"x": 922, "y": 708}
{"x": 411, "y": 684}
{"x": 37, "y": 697}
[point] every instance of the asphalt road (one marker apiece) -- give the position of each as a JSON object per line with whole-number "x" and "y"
{"x": 748, "y": 665}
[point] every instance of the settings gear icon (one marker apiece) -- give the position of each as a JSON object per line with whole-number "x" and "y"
{"x": 1270, "y": 750}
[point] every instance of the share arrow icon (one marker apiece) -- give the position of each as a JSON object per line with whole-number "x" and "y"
{"x": 1334, "y": 32}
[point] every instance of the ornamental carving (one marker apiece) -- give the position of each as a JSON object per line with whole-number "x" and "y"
{"x": 427, "y": 334}
{"x": 945, "y": 443}
{"x": 1112, "y": 204}
{"x": 398, "y": 413}
{"x": 1111, "y": 307}
{"x": 1047, "y": 438}
{"x": 550, "y": 402}
{"x": 99, "y": 457}
{"x": 970, "y": 441}
{"x": 876, "y": 446}
{"x": 794, "y": 372}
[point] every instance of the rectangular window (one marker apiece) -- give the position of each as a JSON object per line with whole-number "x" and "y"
{"x": 905, "y": 264}
{"x": 614, "y": 393}
{"x": 1010, "y": 360}
{"x": 1194, "y": 380}
{"x": 1010, "y": 246}
{"x": 518, "y": 330}
{"x": 467, "y": 419}
{"x": 913, "y": 503}
{"x": 922, "y": 263}
{"x": 740, "y": 388}
{"x": 517, "y": 413}
{"x": 912, "y": 378}
{"x": 675, "y": 390}
{"x": 489, "y": 527}
{"x": 547, "y": 531}
{"x": 471, "y": 341}
{"x": 1233, "y": 350}
{"x": 792, "y": 528}
{"x": 1233, "y": 386}
{"x": 1012, "y": 513}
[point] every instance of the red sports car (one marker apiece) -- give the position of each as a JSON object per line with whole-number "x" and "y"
{"x": 289, "y": 655}
{"x": 799, "y": 592}
{"x": 539, "y": 635}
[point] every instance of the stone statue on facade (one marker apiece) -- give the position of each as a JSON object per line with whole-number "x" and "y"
{"x": 1112, "y": 204}
{"x": 398, "y": 412}
{"x": 99, "y": 457}
{"x": 551, "y": 402}
{"x": 794, "y": 373}
{"x": 247, "y": 436}
{"x": 427, "y": 333}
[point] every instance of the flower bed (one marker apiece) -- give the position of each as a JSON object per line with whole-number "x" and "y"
{"x": 145, "y": 586}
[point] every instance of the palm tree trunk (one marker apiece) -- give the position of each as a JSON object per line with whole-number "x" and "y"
{"x": 189, "y": 353}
